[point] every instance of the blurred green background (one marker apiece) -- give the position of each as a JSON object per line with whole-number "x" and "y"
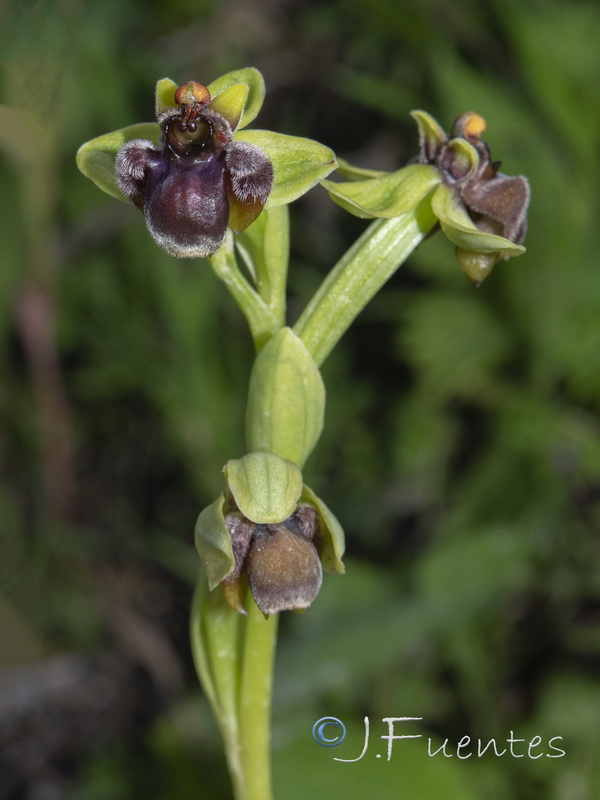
{"x": 462, "y": 447}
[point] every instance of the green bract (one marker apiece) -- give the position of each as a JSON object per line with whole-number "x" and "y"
{"x": 298, "y": 164}
{"x": 287, "y": 422}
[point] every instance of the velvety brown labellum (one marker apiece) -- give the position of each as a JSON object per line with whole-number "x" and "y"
{"x": 280, "y": 561}
{"x": 284, "y": 570}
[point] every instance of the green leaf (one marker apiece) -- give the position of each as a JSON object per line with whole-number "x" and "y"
{"x": 231, "y": 103}
{"x": 298, "y": 163}
{"x": 256, "y": 90}
{"x": 389, "y": 195}
{"x": 96, "y": 158}
{"x": 214, "y": 543}
{"x": 265, "y": 487}
{"x": 164, "y": 95}
{"x": 330, "y": 541}
{"x": 286, "y": 399}
{"x": 462, "y": 231}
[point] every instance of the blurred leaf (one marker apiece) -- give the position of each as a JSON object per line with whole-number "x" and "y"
{"x": 411, "y": 771}
{"x": 454, "y": 343}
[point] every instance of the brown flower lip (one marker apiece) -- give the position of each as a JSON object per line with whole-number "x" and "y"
{"x": 198, "y": 181}
{"x": 280, "y": 561}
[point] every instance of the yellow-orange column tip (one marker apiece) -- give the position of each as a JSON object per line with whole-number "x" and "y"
{"x": 192, "y": 92}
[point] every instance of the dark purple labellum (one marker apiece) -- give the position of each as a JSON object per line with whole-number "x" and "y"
{"x": 186, "y": 207}
{"x": 198, "y": 181}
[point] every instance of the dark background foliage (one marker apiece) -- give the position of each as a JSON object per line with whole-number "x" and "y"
{"x": 462, "y": 447}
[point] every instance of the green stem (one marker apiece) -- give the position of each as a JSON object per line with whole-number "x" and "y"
{"x": 261, "y": 320}
{"x": 235, "y": 655}
{"x": 255, "y": 703}
{"x": 358, "y": 276}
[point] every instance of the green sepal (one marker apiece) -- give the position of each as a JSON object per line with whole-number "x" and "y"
{"x": 389, "y": 195}
{"x": 431, "y": 134}
{"x": 164, "y": 95}
{"x": 286, "y": 399}
{"x": 265, "y": 487}
{"x": 256, "y": 91}
{"x": 352, "y": 173}
{"x": 231, "y": 103}
{"x": 462, "y": 231}
{"x": 96, "y": 158}
{"x": 298, "y": 164}
{"x": 330, "y": 541}
{"x": 213, "y": 542}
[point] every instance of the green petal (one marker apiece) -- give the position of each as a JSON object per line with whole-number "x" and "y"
{"x": 231, "y": 103}
{"x": 256, "y": 90}
{"x": 214, "y": 543}
{"x": 390, "y": 195}
{"x": 164, "y": 95}
{"x": 265, "y": 487}
{"x": 96, "y": 158}
{"x": 330, "y": 542}
{"x": 298, "y": 164}
{"x": 465, "y": 158}
{"x": 462, "y": 231}
{"x": 431, "y": 134}
{"x": 286, "y": 399}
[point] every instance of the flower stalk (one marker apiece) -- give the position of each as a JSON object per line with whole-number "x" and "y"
{"x": 358, "y": 276}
